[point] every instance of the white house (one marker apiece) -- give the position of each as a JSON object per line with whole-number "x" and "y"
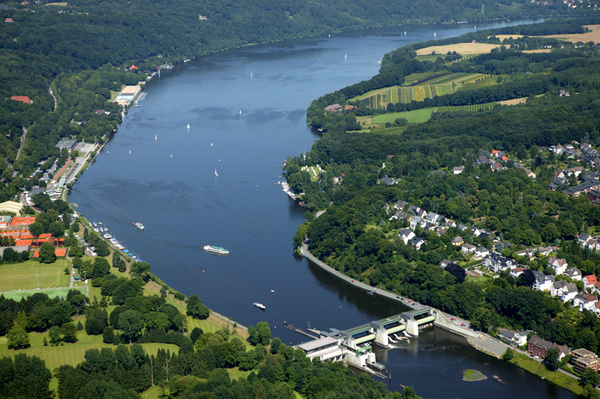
{"x": 559, "y": 265}
{"x": 406, "y": 235}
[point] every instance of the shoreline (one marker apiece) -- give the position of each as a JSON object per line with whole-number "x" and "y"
{"x": 480, "y": 341}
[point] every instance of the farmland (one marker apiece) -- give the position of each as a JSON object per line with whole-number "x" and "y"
{"x": 419, "y": 115}
{"x": 436, "y": 86}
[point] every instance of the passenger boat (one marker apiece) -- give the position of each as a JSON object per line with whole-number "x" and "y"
{"x": 139, "y": 225}
{"x": 259, "y": 305}
{"x": 216, "y": 250}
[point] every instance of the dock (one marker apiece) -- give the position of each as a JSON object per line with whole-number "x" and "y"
{"x": 309, "y": 334}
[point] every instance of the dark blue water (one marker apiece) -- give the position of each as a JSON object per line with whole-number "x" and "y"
{"x": 246, "y": 110}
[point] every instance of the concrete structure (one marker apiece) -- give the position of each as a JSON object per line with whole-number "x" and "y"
{"x": 11, "y": 207}
{"x": 353, "y": 346}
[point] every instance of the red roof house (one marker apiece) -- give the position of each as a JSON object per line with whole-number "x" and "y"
{"x": 23, "y": 99}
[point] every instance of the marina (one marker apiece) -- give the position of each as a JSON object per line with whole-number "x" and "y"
{"x": 99, "y": 228}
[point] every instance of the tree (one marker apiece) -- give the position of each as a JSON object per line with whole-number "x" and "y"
{"x": 552, "y": 359}
{"x": 47, "y": 253}
{"x": 24, "y": 377}
{"x": 131, "y": 323}
{"x": 196, "y": 308}
{"x": 17, "y": 337}
{"x": 264, "y": 332}
{"x": 54, "y": 335}
{"x": 95, "y": 321}
{"x": 69, "y": 332}
{"x": 108, "y": 336}
{"x": 57, "y": 229}
{"x": 589, "y": 377}
{"x": 101, "y": 268}
{"x": 275, "y": 344}
{"x": 36, "y": 229}
{"x": 196, "y": 333}
{"x": 508, "y": 355}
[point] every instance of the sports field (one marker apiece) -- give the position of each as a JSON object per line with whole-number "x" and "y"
{"x": 33, "y": 275}
{"x": 51, "y": 292}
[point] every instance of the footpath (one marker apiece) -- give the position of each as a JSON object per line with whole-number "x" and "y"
{"x": 479, "y": 340}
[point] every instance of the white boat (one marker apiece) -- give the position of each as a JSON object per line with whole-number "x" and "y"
{"x": 107, "y": 236}
{"x": 216, "y": 174}
{"x": 259, "y": 305}
{"x": 216, "y": 250}
{"x": 139, "y": 225}
{"x": 155, "y": 137}
{"x": 188, "y": 126}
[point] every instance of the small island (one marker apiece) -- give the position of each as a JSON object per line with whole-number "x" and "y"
{"x": 471, "y": 375}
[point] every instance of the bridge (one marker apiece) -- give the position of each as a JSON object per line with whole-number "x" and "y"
{"x": 353, "y": 346}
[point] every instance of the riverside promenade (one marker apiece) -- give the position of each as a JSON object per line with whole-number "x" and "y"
{"x": 481, "y": 341}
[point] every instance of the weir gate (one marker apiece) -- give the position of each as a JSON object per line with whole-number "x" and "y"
{"x": 353, "y": 346}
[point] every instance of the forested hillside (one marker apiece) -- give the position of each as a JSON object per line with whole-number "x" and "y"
{"x": 80, "y": 52}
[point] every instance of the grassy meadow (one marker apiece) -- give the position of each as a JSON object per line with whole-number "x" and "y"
{"x": 33, "y": 274}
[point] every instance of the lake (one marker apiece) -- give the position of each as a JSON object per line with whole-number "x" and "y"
{"x": 216, "y": 183}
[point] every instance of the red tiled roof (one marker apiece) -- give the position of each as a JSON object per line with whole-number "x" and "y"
{"x": 23, "y": 99}
{"x": 22, "y": 221}
{"x": 591, "y": 279}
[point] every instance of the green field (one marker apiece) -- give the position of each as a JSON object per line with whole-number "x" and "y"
{"x": 32, "y": 274}
{"x": 467, "y": 108}
{"x": 442, "y": 85}
{"x": 416, "y": 116}
{"x": 51, "y": 292}
{"x": 71, "y": 354}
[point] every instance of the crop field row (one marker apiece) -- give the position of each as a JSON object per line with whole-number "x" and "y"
{"x": 467, "y": 108}
{"x": 439, "y": 86}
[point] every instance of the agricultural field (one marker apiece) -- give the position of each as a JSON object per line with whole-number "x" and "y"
{"x": 416, "y": 116}
{"x": 592, "y": 36}
{"x": 460, "y": 48}
{"x": 33, "y": 274}
{"x": 438, "y": 86}
{"x": 467, "y": 108}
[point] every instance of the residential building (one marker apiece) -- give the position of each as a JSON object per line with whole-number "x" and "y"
{"x": 457, "y": 241}
{"x": 574, "y": 273}
{"x": 582, "y": 359}
{"x": 543, "y": 282}
{"x": 590, "y": 281}
{"x": 515, "y": 338}
{"x": 468, "y": 248}
{"x": 406, "y": 235}
{"x": 559, "y": 265}
{"x": 497, "y": 262}
{"x": 538, "y": 347}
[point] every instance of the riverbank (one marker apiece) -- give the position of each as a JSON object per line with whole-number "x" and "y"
{"x": 480, "y": 341}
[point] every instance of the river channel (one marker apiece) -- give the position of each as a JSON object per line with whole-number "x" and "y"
{"x": 246, "y": 113}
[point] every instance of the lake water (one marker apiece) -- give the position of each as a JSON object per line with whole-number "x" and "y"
{"x": 246, "y": 110}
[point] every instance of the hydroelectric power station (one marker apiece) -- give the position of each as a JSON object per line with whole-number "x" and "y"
{"x": 354, "y": 346}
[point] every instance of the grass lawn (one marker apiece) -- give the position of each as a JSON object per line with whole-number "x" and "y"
{"x": 540, "y": 370}
{"x": 416, "y": 116}
{"x": 32, "y": 274}
{"x": 51, "y": 292}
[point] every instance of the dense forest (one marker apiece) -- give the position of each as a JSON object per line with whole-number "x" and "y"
{"x": 508, "y": 199}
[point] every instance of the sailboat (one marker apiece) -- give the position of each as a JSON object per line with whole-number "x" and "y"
{"x": 188, "y": 126}
{"x": 155, "y": 138}
{"x": 216, "y": 174}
